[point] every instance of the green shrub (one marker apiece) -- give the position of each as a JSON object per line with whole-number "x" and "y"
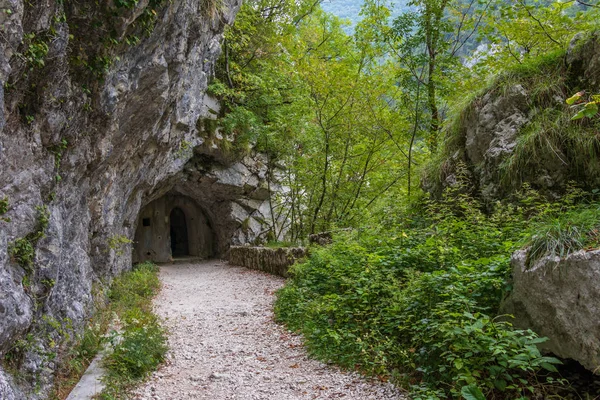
{"x": 443, "y": 319}
{"x": 118, "y": 243}
{"x": 3, "y": 205}
{"x": 23, "y": 252}
{"x": 140, "y": 346}
{"x": 23, "y": 249}
{"x": 84, "y": 349}
{"x": 139, "y": 349}
{"x": 36, "y": 49}
{"x": 419, "y": 301}
{"x": 135, "y": 288}
{"x": 432, "y": 329}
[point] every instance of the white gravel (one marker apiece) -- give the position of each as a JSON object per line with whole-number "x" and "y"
{"x": 224, "y": 343}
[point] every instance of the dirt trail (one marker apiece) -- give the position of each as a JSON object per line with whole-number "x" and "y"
{"x": 225, "y": 345}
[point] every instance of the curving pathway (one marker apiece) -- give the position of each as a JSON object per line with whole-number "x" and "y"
{"x": 225, "y": 344}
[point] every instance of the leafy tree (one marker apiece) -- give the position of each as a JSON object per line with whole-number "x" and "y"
{"x": 319, "y": 102}
{"x": 517, "y": 31}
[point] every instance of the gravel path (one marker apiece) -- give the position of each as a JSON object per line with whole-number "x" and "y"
{"x": 225, "y": 345}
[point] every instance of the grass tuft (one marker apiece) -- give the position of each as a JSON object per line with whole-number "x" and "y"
{"x": 565, "y": 233}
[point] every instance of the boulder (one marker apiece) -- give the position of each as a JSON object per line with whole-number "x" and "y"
{"x": 559, "y": 299}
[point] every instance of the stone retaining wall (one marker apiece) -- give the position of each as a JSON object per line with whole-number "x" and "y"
{"x": 273, "y": 261}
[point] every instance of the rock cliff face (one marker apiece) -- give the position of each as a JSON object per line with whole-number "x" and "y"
{"x": 101, "y": 109}
{"x": 519, "y": 130}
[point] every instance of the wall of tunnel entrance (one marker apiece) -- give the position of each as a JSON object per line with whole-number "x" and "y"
{"x": 170, "y": 227}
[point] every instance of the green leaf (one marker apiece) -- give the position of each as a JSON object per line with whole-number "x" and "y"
{"x": 579, "y": 115}
{"x": 472, "y": 392}
{"x": 575, "y": 98}
{"x": 590, "y": 109}
{"x": 500, "y": 384}
{"x": 547, "y": 363}
{"x": 537, "y": 340}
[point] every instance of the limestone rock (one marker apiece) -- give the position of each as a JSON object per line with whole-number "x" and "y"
{"x": 584, "y": 55}
{"x": 487, "y": 133}
{"x": 560, "y": 299}
{"x": 95, "y": 150}
{"x": 8, "y": 391}
{"x": 492, "y": 130}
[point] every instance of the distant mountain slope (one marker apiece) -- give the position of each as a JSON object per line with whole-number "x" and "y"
{"x": 349, "y": 9}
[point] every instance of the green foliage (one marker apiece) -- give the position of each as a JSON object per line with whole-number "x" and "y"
{"x": 23, "y": 252}
{"x": 36, "y": 50}
{"x": 587, "y": 109}
{"x": 185, "y": 150}
{"x": 85, "y": 347}
{"x": 472, "y": 392}
{"x": 23, "y": 249}
{"x": 565, "y": 231}
{"x": 58, "y": 150}
{"x": 520, "y": 31}
{"x": 137, "y": 349}
{"x": 3, "y": 205}
{"x": 418, "y": 299}
{"x": 295, "y": 86}
{"x": 43, "y": 219}
{"x": 135, "y": 289}
{"x": 13, "y": 355}
{"x": 43, "y": 341}
{"x": 118, "y": 243}
{"x": 140, "y": 346}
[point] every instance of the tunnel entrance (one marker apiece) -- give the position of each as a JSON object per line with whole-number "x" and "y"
{"x": 179, "y": 233}
{"x": 173, "y": 226}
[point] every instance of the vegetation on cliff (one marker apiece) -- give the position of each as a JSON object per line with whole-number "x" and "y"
{"x": 126, "y": 329}
{"x": 413, "y": 292}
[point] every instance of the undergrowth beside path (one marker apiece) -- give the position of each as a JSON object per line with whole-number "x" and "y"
{"x": 137, "y": 345}
{"x": 417, "y": 300}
